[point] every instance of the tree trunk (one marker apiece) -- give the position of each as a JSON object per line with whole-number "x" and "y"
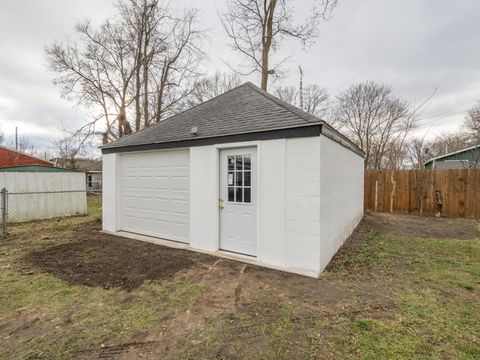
{"x": 267, "y": 42}
{"x": 264, "y": 83}
{"x": 158, "y": 115}
{"x": 138, "y": 113}
{"x": 146, "y": 113}
{"x": 393, "y": 195}
{"x": 124, "y": 127}
{"x": 161, "y": 89}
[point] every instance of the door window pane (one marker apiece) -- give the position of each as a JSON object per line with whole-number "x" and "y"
{"x": 230, "y": 179}
{"x": 231, "y": 194}
{"x": 246, "y": 195}
{"x": 238, "y": 195}
{"x": 239, "y": 178}
{"x": 247, "y": 162}
{"x": 246, "y": 178}
{"x": 239, "y": 162}
{"x": 231, "y": 163}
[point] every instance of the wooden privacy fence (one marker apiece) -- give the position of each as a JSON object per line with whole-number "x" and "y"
{"x": 453, "y": 192}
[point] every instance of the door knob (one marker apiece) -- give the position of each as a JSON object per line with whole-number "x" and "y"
{"x": 221, "y": 203}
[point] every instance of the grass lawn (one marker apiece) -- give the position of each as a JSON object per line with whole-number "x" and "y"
{"x": 401, "y": 287}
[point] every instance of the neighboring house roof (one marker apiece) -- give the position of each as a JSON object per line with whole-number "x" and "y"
{"x": 245, "y": 109}
{"x": 34, "y": 168}
{"x": 80, "y": 163}
{"x": 9, "y": 157}
{"x": 454, "y": 155}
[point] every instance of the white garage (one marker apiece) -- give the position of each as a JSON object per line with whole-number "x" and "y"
{"x": 244, "y": 176}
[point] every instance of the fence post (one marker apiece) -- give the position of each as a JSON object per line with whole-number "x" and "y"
{"x": 393, "y": 195}
{"x": 4, "y": 194}
{"x": 376, "y": 195}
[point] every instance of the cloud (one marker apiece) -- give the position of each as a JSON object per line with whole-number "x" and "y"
{"x": 412, "y": 45}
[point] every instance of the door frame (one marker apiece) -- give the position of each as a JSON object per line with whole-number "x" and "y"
{"x": 218, "y": 148}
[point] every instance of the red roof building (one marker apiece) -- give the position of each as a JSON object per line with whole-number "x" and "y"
{"x": 9, "y": 157}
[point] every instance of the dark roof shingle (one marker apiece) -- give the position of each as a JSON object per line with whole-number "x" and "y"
{"x": 245, "y": 109}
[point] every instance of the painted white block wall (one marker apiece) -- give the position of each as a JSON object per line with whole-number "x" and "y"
{"x": 204, "y": 198}
{"x": 341, "y": 194}
{"x": 42, "y": 195}
{"x": 271, "y": 203}
{"x": 110, "y": 204}
{"x": 303, "y": 204}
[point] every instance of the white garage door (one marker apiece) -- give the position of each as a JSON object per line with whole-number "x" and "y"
{"x": 154, "y": 194}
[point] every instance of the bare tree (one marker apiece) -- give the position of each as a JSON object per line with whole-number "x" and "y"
{"x": 472, "y": 123}
{"x": 420, "y": 150}
{"x": 377, "y": 121}
{"x": 134, "y": 69}
{"x": 175, "y": 69}
{"x": 417, "y": 152}
{"x": 70, "y": 146}
{"x": 143, "y": 19}
{"x": 315, "y": 98}
{"x": 99, "y": 74}
{"x": 258, "y": 27}
{"x": 24, "y": 145}
{"x": 209, "y": 87}
{"x": 448, "y": 142}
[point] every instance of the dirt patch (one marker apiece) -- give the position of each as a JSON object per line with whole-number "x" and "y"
{"x": 97, "y": 259}
{"x": 426, "y": 227}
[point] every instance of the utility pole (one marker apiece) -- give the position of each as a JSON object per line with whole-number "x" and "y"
{"x": 16, "y": 138}
{"x": 301, "y": 87}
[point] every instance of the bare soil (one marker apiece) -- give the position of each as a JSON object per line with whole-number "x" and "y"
{"x": 97, "y": 259}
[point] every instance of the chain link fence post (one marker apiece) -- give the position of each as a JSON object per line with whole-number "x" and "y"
{"x": 4, "y": 204}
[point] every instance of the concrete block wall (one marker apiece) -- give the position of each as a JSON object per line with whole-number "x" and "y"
{"x": 110, "y": 204}
{"x": 341, "y": 192}
{"x": 303, "y": 204}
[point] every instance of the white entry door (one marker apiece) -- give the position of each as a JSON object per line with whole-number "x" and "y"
{"x": 238, "y": 201}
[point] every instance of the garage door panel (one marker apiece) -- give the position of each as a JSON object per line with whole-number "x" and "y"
{"x": 161, "y": 183}
{"x": 177, "y": 207}
{"x": 179, "y": 183}
{"x": 154, "y": 194}
{"x": 162, "y": 205}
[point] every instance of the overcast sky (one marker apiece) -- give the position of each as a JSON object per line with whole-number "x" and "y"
{"x": 412, "y": 45}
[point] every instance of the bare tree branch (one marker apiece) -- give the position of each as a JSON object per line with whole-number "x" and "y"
{"x": 136, "y": 68}
{"x": 256, "y": 29}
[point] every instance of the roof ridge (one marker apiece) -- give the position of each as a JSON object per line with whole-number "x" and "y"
{"x": 289, "y": 107}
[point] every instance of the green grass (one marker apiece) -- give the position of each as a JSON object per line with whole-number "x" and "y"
{"x": 435, "y": 289}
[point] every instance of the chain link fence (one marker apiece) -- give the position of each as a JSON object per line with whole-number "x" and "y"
{"x": 27, "y": 206}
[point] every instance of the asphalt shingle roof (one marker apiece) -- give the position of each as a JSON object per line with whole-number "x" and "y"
{"x": 245, "y": 109}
